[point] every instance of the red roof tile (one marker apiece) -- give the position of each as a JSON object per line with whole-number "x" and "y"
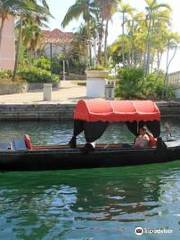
{"x": 57, "y": 36}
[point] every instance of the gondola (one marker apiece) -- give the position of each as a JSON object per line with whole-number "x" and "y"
{"x": 93, "y": 117}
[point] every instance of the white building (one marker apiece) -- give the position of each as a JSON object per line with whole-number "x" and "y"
{"x": 56, "y": 42}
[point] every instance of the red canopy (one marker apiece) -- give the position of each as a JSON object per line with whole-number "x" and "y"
{"x": 116, "y": 111}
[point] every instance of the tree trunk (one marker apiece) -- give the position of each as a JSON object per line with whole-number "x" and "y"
{"x": 89, "y": 44}
{"x": 100, "y": 43}
{"x": 17, "y": 50}
{"x": 159, "y": 56}
{"x": 147, "y": 49}
{"x": 132, "y": 45}
{"x": 100, "y": 39}
{"x": 105, "y": 43}
{"x": 90, "y": 53}
{"x": 123, "y": 45}
{"x": 167, "y": 69}
{"x": 67, "y": 64}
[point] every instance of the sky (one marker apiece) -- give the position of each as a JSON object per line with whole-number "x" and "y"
{"x": 59, "y": 8}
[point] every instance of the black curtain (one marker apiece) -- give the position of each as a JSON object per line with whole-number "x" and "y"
{"x": 92, "y": 131}
{"x": 78, "y": 128}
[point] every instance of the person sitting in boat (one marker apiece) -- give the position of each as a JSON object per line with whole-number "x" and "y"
{"x": 145, "y": 138}
{"x": 142, "y": 140}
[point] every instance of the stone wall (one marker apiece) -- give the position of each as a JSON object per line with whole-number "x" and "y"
{"x": 39, "y": 86}
{"x": 169, "y": 109}
{"x": 64, "y": 112}
{"x": 36, "y": 111}
{"x": 13, "y": 88}
{"x": 18, "y": 87}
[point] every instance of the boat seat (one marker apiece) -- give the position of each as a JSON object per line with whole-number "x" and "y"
{"x": 19, "y": 144}
{"x": 5, "y": 146}
{"x": 28, "y": 142}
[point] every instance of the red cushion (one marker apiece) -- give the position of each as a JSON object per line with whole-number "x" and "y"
{"x": 28, "y": 142}
{"x": 152, "y": 141}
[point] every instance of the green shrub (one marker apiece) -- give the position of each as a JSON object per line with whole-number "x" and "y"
{"x": 154, "y": 87}
{"x": 5, "y": 74}
{"x": 43, "y": 63}
{"x": 77, "y": 67}
{"x": 34, "y": 74}
{"x": 57, "y": 65}
{"x": 130, "y": 81}
{"x": 133, "y": 84}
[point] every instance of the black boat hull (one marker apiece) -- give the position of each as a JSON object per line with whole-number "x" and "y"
{"x": 52, "y": 159}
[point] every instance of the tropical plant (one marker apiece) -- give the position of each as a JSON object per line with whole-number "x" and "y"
{"x": 5, "y": 74}
{"x": 129, "y": 83}
{"x": 153, "y": 15}
{"x": 104, "y": 12}
{"x": 124, "y": 9}
{"x": 84, "y": 8}
{"x": 37, "y": 75}
{"x": 32, "y": 9}
{"x": 31, "y": 31}
{"x": 79, "y": 49}
{"x": 96, "y": 15}
{"x": 133, "y": 84}
{"x": 9, "y": 7}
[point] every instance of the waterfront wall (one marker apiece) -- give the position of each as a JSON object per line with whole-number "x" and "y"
{"x": 169, "y": 109}
{"x": 64, "y": 112}
{"x": 61, "y": 112}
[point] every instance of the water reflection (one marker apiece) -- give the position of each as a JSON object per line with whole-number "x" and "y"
{"x": 96, "y": 203}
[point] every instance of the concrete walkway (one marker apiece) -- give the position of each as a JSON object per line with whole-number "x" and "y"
{"x": 69, "y": 92}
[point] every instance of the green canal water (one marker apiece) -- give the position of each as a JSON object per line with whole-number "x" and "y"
{"x": 102, "y": 204}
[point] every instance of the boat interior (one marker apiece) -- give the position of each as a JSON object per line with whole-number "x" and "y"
{"x": 23, "y": 144}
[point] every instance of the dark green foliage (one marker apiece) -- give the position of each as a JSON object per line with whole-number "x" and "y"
{"x": 130, "y": 81}
{"x": 71, "y": 66}
{"x": 5, "y": 74}
{"x": 154, "y": 87}
{"x": 75, "y": 66}
{"x": 38, "y": 72}
{"x": 43, "y": 63}
{"x": 34, "y": 74}
{"x": 132, "y": 84}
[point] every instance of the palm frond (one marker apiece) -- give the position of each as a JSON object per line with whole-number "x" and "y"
{"x": 73, "y": 12}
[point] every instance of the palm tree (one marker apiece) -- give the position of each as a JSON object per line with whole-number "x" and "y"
{"x": 8, "y": 7}
{"x": 124, "y": 9}
{"x": 152, "y": 10}
{"x": 31, "y": 9}
{"x": 31, "y": 31}
{"x": 84, "y": 8}
{"x": 172, "y": 43}
{"x": 79, "y": 45}
{"x": 107, "y": 9}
